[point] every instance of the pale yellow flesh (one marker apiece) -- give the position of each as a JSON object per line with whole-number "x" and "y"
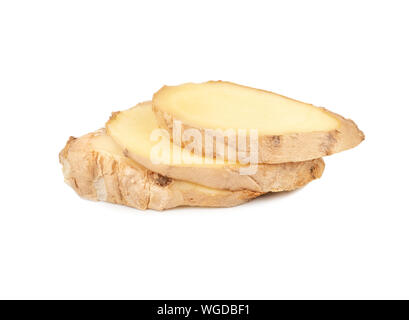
{"x": 132, "y": 130}
{"x": 105, "y": 143}
{"x": 223, "y": 105}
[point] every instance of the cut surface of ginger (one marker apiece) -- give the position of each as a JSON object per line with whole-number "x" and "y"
{"x": 134, "y": 130}
{"x": 224, "y": 105}
{"x": 103, "y": 143}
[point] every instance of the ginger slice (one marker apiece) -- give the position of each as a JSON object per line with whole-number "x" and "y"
{"x": 288, "y": 130}
{"x": 95, "y": 167}
{"x": 132, "y": 129}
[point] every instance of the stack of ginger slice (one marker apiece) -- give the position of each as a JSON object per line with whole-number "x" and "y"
{"x": 213, "y": 144}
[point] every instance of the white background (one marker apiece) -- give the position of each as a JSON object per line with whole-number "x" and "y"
{"x": 65, "y": 65}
